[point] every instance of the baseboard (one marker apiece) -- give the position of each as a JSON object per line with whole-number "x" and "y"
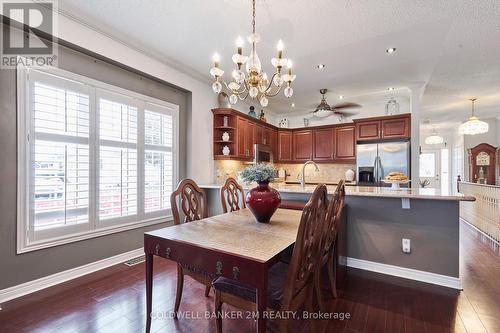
{"x": 472, "y": 226}
{"x": 51, "y": 280}
{"x": 407, "y": 273}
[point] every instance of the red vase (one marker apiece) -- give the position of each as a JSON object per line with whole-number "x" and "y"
{"x": 263, "y": 201}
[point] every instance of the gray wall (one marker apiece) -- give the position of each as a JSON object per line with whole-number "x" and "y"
{"x": 16, "y": 269}
{"x": 376, "y": 226}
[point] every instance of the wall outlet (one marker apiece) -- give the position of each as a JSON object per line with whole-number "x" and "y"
{"x": 406, "y": 245}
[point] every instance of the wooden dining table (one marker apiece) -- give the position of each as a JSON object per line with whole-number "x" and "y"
{"x": 232, "y": 245}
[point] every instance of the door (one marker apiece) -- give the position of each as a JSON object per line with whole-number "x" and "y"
{"x": 241, "y": 125}
{"x": 366, "y": 164}
{"x": 249, "y": 139}
{"x": 368, "y": 130}
{"x": 429, "y": 168}
{"x": 393, "y": 157}
{"x": 302, "y": 145}
{"x": 345, "y": 145}
{"x": 323, "y": 146}
{"x": 396, "y": 128}
{"x": 284, "y": 146}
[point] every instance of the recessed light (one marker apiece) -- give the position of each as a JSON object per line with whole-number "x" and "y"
{"x": 321, "y": 66}
{"x": 341, "y": 96}
{"x": 390, "y": 88}
{"x": 390, "y": 50}
{"x": 293, "y": 105}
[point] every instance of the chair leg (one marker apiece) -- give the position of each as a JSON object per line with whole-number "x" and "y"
{"x": 317, "y": 289}
{"x": 218, "y": 310}
{"x": 178, "y": 293}
{"x": 207, "y": 290}
{"x": 331, "y": 276}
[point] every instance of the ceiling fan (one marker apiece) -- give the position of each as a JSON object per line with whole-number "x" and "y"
{"x": 324, "y": 109}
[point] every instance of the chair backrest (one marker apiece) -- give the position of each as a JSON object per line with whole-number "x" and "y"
{"x": 306, "y": 251}
{"x": 333, "y": 217}
{"x": 232, "y": 196}
{"x": 192, "y": 201}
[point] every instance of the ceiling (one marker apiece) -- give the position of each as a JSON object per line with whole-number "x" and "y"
{"x": 452, "y": 48}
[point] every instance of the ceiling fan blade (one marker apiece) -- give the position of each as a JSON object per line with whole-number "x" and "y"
{"x": 345, "y": 114}
{"x": 346, "y": 105}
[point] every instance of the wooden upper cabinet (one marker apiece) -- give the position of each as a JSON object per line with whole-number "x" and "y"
{"x": 368, "y": 130}
{"x": 249, "y": 138}
{"x": 285, "y": 146}
{"x": 345, "y": 143}
{"x": 302, "y": 145}
{"x": 396, "y": 128}
{"x": 266, "y": 135}
{"x": 241, "y": 125}
{"x": 389, "y": 127}
{"x": 273, "y": 142}
{"x": 323, "y": 144}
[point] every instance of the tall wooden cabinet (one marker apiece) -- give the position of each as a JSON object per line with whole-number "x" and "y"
{"x": 284, "y": 146}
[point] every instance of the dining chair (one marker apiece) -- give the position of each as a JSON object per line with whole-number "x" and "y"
{"x": 328, "y": 253}
{"x": 231, "y": 194}
{"x": 289, "y": 286}
{"x": 193, "y": 206}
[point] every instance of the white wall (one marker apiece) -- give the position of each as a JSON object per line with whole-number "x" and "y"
{"x": 199, "y": 154}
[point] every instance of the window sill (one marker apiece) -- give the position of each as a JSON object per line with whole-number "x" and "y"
{"x": 38, "y": 245}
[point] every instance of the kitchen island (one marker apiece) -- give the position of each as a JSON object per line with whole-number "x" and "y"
{"x": 377, "y": 219}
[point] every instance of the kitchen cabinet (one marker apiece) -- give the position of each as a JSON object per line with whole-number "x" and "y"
{"x": 368, "y": 130}
{"x": 284, "y": 146}
{"x": 266, "y": 135}
{"x": 323, "y": 144}
{"x": 396, "y": 128}
{"x": 345, "y": 143}
{"x": 249, "y": 138}
{"x": 302, "y": 145}
{"x": 389, "y": 127}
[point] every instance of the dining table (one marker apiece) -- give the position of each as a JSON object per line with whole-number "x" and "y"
{"x": 233, "y": 245}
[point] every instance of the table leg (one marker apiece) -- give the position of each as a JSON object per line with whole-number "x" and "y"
{"x": 262, "y": 304}
{"x": 149, "y": 290}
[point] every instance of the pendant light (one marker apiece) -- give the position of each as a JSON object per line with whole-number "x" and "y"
{"x": 473, "y": 125}
{"x": 434, "y": 138}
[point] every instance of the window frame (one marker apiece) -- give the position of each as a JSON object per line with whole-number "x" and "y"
{"x": 26, "y": 239}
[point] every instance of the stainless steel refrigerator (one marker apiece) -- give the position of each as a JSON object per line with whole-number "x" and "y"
{"x": 374, "y": 161}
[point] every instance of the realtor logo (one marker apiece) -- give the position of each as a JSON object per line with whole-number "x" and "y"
{"x": 28, "y": 38}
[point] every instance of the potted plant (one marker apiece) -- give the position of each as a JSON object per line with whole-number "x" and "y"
{"x": 261, "y": 200}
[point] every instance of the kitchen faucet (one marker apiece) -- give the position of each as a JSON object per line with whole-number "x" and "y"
{"x": 303, "y": 179}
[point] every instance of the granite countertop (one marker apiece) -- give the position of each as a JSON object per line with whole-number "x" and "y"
{"x": 367, "y": 191}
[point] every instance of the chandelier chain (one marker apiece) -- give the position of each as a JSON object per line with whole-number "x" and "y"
{"x": 253, "y": 16}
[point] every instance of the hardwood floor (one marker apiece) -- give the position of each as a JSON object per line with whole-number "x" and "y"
{"x": 113, "y": 300}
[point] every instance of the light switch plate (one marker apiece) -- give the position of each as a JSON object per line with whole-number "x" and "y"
{"x": 405, "y": 203}
{"x": 406, "y": 245}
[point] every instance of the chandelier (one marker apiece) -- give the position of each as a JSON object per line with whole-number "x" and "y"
{"x": 434, "y": 138}
{"x": 253, "y": 81}
{"x": 473, "y": 125}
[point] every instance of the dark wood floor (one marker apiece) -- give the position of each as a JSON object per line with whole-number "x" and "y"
{"x": 112, "y": 300}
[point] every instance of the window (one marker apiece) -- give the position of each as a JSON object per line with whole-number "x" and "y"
{"x": 93, "y": 158}
{"x": 427, "y": 165}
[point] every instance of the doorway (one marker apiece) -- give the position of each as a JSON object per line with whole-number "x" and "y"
{"x": 435, "y": 167}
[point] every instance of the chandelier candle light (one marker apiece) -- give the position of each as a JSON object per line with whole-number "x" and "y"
{"x": 255, "y": 82}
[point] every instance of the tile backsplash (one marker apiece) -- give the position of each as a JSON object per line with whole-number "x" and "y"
{"x": 327, "y": 172}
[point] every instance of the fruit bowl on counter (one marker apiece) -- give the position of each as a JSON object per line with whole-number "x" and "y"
{"x": 396, "y": 179}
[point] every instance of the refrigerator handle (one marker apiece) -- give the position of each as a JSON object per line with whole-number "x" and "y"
{"x": 375, "y": 170}
{"x": 381, "y": 169}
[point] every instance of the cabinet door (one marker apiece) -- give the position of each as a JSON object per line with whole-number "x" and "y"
{"x": 241, "y": 125}
{"x": 345, "y": 143}
{"x": 302, "y": 145}
{"x": 273, "y": 141}
{"x": 396, "y": 128}
{"x": 266, "y": 135}
{"x": 368, "y": 130}
{"x": 259, "y": 134}
{"x": 284, "y": 146}
{"x": 249, "y": 139}
{"x": 323, "y": 144}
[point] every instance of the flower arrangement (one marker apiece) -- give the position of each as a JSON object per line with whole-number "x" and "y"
{"x": 260, "y": 173}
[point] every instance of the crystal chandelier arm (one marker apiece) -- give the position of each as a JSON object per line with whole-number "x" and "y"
{"x": 275, "y": 93}
{"x": 242, "y": 98}
{"x": 234, "y": 91}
